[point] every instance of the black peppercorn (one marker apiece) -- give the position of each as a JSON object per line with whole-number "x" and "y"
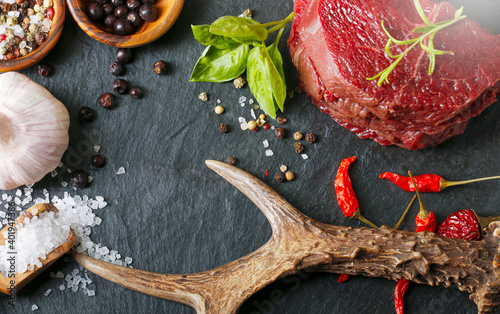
{"x": 79, "y": 179}
{"x": 280, "y": 132}
{"x": 86, "y": 114}
{"x": 123, "y": 27}
{"x": 110, "y": 20}
{"x": 120, "y": 86}
{"x": 299, "y": 148}
{"x": 121, "y": 12}
{"x": 133, "y": 5}
{"x": 231, "y": 160}
{"x": 223, "y": 128}
{"x": 107, "y": 100}
{"x": 98, "y": 161}
{"x": 280, "y": 177}
{"x": 44, "y": 70}
{"x": 160, "y": 67}
{"x": 95, "y": 11}
{"x": 108, "y": 9}
{"x": 124, "y": 55}
{"x": 136, "y": 92}
{"x": 311, "y": 138}
{"x": 134, "y": 18}
{"x": 116, "y": 69}
{"x": 148, "y": 12}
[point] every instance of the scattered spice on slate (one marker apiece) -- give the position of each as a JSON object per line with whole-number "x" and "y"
{"x": 239, "y": 82}
{"x": 280, "y": 176}
{"x": 124, "y": 55}
{"x": 116, "y": 69}
{"x": 219, "y": 109}
{"x": 283, "y": 168}
{"x": 297, "y": 136}
{"x": 107, "y": 100}
{"x": 160, "y": 67}
{"x": 120, "y": 86}
{"x": 247, "y": 13}
{"x": 44, "y": 70}
{"x": 223, "y": 128}
{"x": 98, "y": 160}
{"x": 252, "y": 125}
{"x": 280, "y": 132}
{"x": 136, "y": 92}
{"x": 80, "y": 179}
{"x": 86, "y": 114}
{"x": 281, "y": 120}
{"x": 311, "y": 138}
{"x": 290, "y": 176}
{"x": 231, "y": 160}
{"x": 299, "y": 148}
{"x": 203, "y": 96}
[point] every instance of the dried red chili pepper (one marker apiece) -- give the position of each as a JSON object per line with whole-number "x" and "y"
{"x": 465, "y": 224}
{"x": 425, "y": 220}
{"x": 426, "y": 182}
{"x": 343, "y": 277}
{"x": 345, "y": 194}
{"x": 399, "y": 293}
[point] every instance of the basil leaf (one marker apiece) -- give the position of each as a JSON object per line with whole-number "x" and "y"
{"x": 220, "y": 65}
{"x": 203, "y": 36}
{"x": 277, "y": 60}
{"x": 265, "y": 81}
{"x": 241, "y": 29}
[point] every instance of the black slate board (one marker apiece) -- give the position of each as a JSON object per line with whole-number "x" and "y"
{"x": 173, "y": 215}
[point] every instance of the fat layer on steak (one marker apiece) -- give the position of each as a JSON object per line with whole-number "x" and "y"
{"x": 337, "y": 44}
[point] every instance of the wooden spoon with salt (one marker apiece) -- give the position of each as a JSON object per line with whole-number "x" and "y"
{"x": 16, "y": 281}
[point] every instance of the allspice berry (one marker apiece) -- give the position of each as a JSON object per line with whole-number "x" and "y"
{"x": 280, "y": 176}
{"x": 299, "y": 148}
{"x": 223, "y": 128}
{"x": 280, "y": 132}
{"x": 311, "y": 138}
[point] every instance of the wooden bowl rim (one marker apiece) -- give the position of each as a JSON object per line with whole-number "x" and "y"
{"x": 42, "y": 51}
{"x": 164, "y": 23}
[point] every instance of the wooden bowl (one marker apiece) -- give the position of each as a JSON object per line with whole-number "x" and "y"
{"x": 39, "y": 53}
{"x": 168, "y": 11}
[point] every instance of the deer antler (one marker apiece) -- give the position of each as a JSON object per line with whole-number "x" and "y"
{"x": 299, "y": 242}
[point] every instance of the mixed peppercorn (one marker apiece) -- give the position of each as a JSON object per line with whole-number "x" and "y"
{"x": 24, "y": 26}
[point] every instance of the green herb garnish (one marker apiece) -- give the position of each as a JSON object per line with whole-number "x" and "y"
{"x": 228, "y": 55}
{"x": 428, "y": 31}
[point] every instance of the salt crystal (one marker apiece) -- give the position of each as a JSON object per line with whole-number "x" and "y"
{"x": 244, "y": 126}
{"x": 97, "y": 148}
{"x": 62, "y": 287}
{"x": 218, "y": 101}
{"x": 59, "y": 275}
{"x": 242, "y": 104}
{"x": 265, "y": 143}
{"x": 128, "y": 260}
{"x": 64, "y": 184}
{"x": 252, "y": 112}
{"x": 121, "y": 170}
{"x": 53, "y": 173}
{"x": 242, "y": 99}
{"x": 304, "y": 156}
{"x": 48, "y": 292}
{"x": 2, "y": 214}
{"x": 60, "y": 164}
{"x": 269, "y": 152}
{"x": 250, "y": 101}
{"x": 34, "y": 307}
{"x": 19, "y": 193}
{"x": 91, "y": 293}
{"x": 241, "y": 120}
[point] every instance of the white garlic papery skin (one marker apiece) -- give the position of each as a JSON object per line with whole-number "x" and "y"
{"x": 33, "y": 131}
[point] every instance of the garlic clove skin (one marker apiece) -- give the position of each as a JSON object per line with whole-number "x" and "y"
{"x": 33, "y": 131}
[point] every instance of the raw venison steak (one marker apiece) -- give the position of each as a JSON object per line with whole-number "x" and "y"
{"x": 337, "y": 44}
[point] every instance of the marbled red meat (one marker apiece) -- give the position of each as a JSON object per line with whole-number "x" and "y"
{"x": 337, "y": 44}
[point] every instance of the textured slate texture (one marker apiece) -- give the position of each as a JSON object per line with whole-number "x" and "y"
{"x": 172, "y": 214}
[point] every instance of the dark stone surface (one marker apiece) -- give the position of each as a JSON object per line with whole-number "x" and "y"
{"x": 173, "y": 215}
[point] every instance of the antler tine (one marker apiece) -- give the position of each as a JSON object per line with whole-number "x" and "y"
{"x": 276, "y": 209}
{"x": 171, "y": 287}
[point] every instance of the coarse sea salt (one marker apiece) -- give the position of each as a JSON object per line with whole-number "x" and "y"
{"x": 265, "y": 143}
{"x": 269, "y": 153}
{"x": 121, "y": 170}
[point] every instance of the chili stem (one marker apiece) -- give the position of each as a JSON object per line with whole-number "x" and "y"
{"x": 444, "y": 184}
{"x": 358, "y": 216}
{"x": 423, "y": 212}
{"x": 404, "y": 214}
{"x": 485, "y": 221}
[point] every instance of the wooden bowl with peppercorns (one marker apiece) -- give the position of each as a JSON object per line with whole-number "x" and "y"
{"x": 91, "y": 16}
{"x": 19, "y": 52}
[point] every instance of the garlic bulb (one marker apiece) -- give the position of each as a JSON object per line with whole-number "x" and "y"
{"x": 33, "y": 131}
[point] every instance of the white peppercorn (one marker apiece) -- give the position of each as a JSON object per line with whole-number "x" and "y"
{"x": 219, "y": 109}
{"x": 40, "y": 16}
{"x": 47, "y": 3}
{"x": 33, "y": 29}
{"x": 23, "y": 51}
{"x": 30, "y": 12}
{"x": 36, "y": 7}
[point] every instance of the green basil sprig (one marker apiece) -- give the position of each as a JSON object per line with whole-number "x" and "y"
{"x": 228, "y": 54}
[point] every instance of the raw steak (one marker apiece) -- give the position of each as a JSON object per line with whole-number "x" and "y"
{"x": 337, "y": 44}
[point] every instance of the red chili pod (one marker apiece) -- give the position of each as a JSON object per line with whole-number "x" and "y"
{"x": 399, "y": 293}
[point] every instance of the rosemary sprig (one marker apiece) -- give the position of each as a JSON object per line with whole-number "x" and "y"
{"x": 427, "y": 31}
